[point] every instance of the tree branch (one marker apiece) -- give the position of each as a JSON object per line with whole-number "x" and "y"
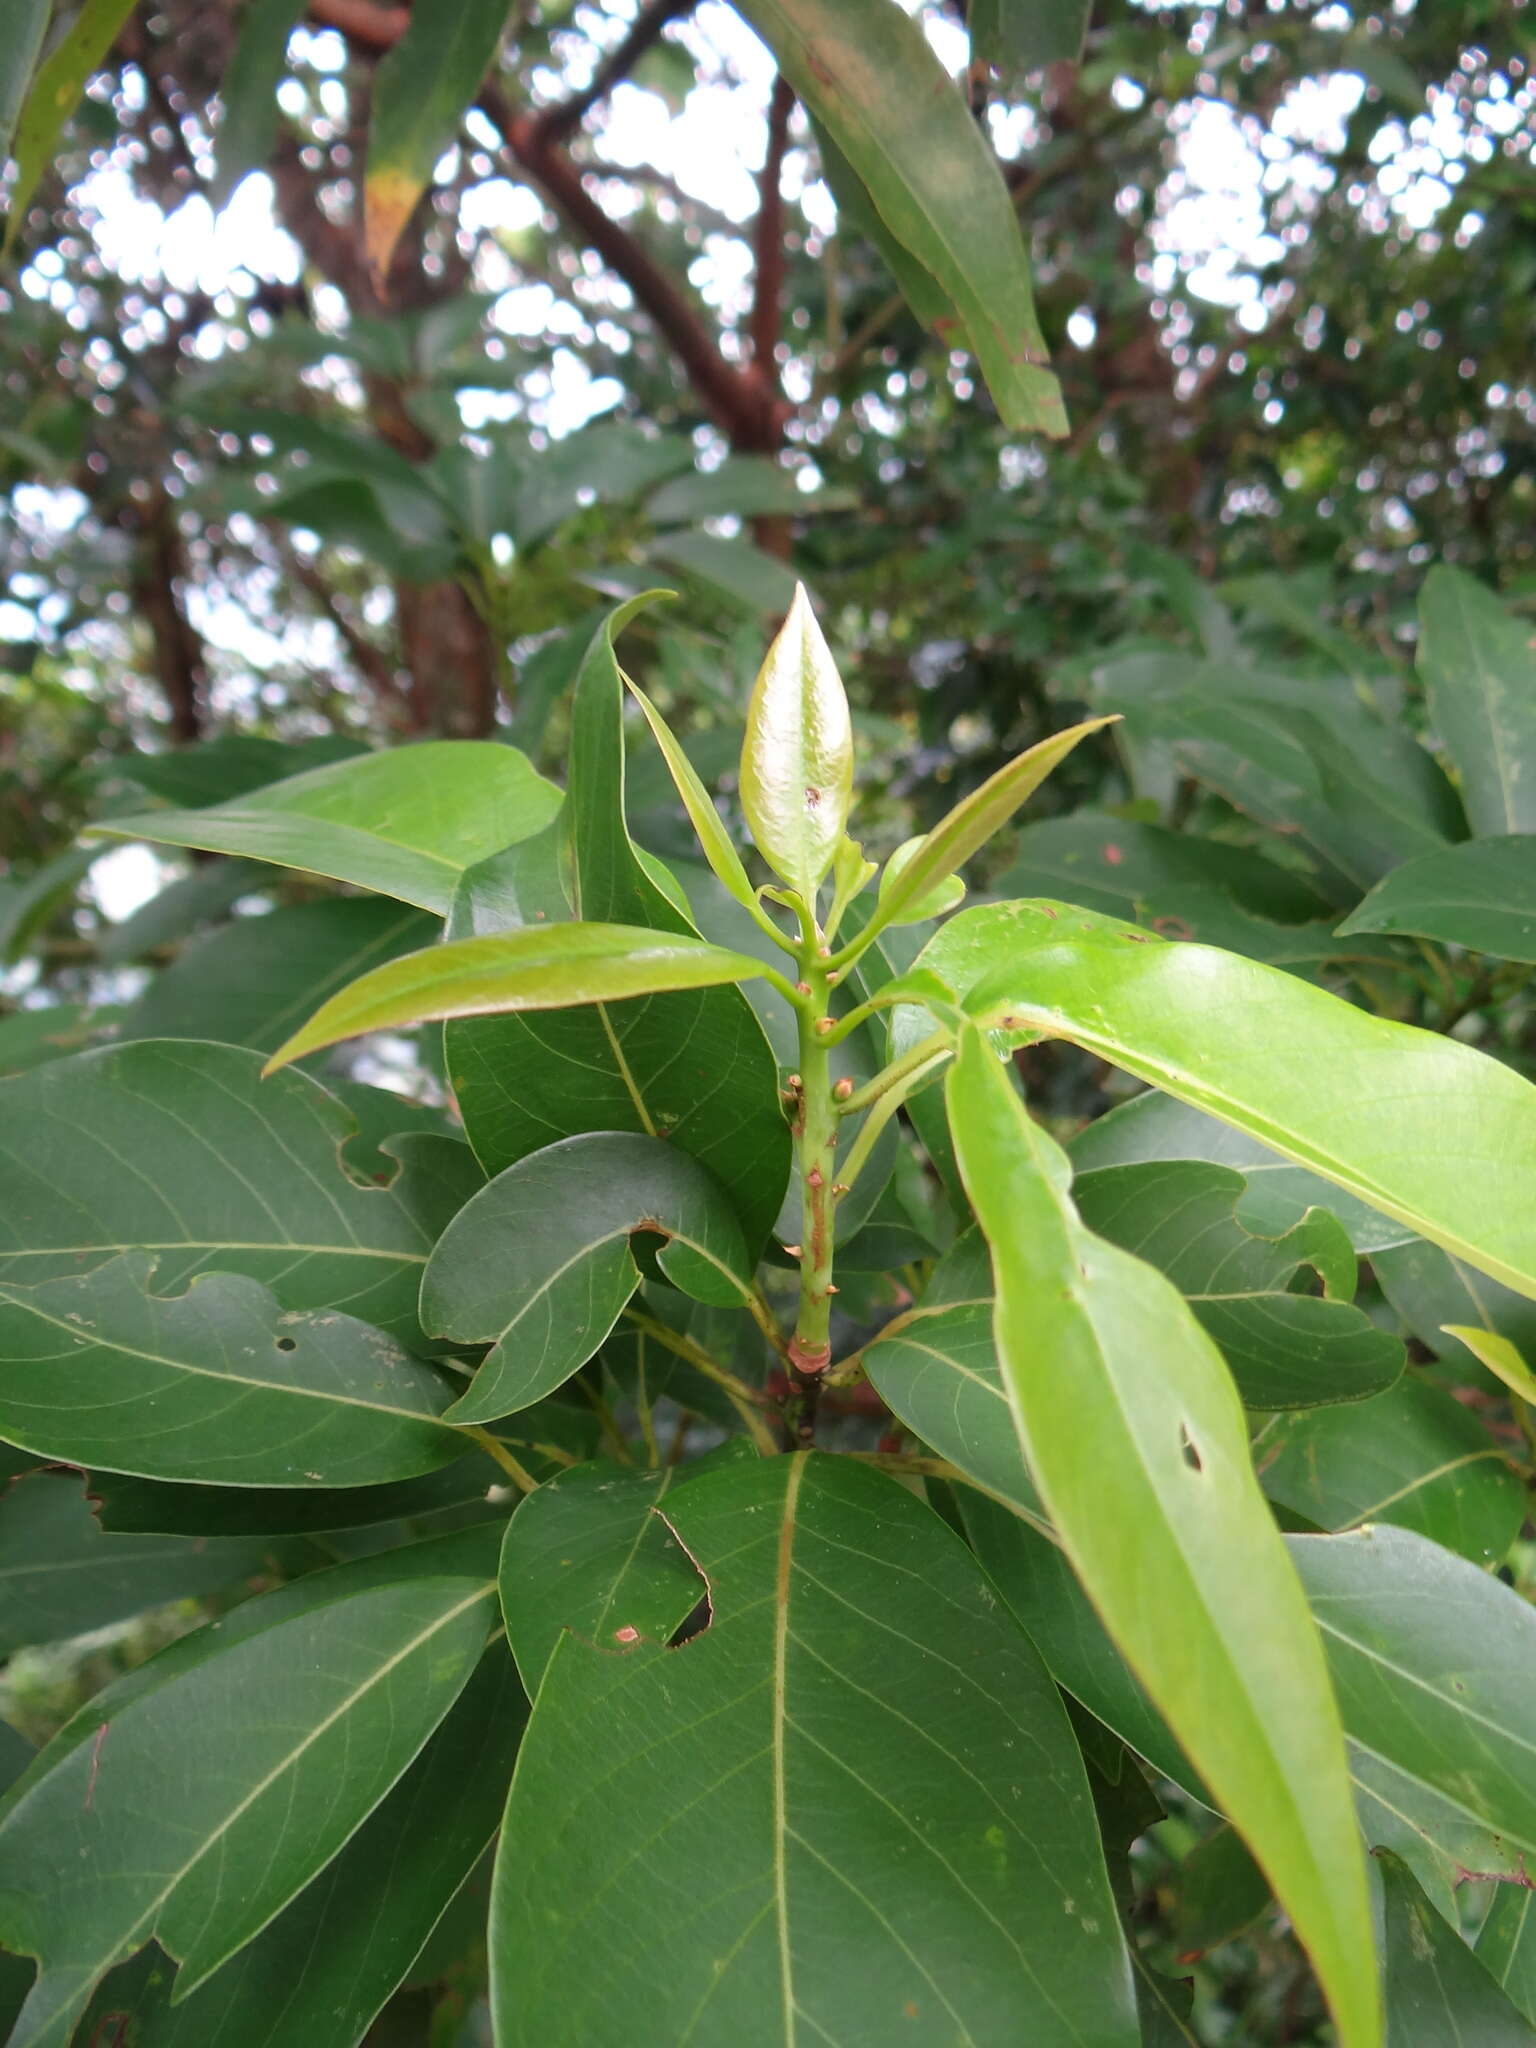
{"x": 557, "y": 123}
{"x": 158, "y": 580}
{"x": 768, "y": 239}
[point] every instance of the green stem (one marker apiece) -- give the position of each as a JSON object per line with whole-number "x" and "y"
{"x": 883, "y": 1109}
{"x": 900, "y": 1073}
{"x": 744, "y": 1399}
{"x": 520, "y": 1476}
{"x": 810, "y": 1349}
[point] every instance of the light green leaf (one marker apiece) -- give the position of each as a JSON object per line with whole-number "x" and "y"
{"x": 539, "y": 1263}
{"x": 969, "y": 826}
{"x": 864, "y": 70}
{"x": 405, "y": 823}
{"x": 1135, "y": 1438}
{"x": 223, "y": 1170}
{"x": 248, "y": 91}
{"x": 843, "y": 1743}
{"x": 1438, "y": 1993}
{"x": 218, "y": 1384}
{"x": 1413, "y": 1456}
{"x": 420, "y": 93}
{"x": 939, "y": 900}
{"x": 54, "y": 93}
{"x": 61, "y": 1575}
{"x": 24, "y": 38}
{"x": 1476, "y": 661}
{"x": 1481, "y": 895}
{"x": 1500, "y": 1357}
{"x": 797, "y": 758}
{"x": 541, "y": 967}
{"x": 277, "y": 1750}
{"x": 719, "y": 848}
{"x": 1417, "y": 1125}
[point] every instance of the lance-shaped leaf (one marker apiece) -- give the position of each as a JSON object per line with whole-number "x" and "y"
{"x": 1481, "y": 895}
{"x": 972, "y": 822}
{"x": 403, "y": 823}
{"x": 718, "y": 846}
{"x": 1413, "y": 1456}
{"x": 1285, "y": 1350}
{"x": 911, "y": 1879}
{"x": 61, "y": 1575}
{"x": 248, "y": 91}
{"x": 688, "y": 1064}
{"x": 1476, "y": 660}
{"x": 258, "y": 1764}
{"x": 1135, "y": 1438}
{"x": 28, "y": 21}
{"x": 1019, "y": 36}
{"x": 54, "y": 91}
{"x": 180, "y": 1149}
{"x": 1419, "y": 1126}
{"x": 320, "y": 1972}
{"x": 219, "y": 1383}
{"x": 1436, "y": 1989}
{"x": 1506, "y": 1945}
{"x": 797, "y": 757}
{"x": 539, "y": 1263}
{"x": 865, "y": 72}
{"x": 542, "y": 967}
{"x": 1434, "y": 1664}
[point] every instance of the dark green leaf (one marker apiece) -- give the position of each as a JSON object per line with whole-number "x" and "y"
{"x": 539, "y": 1263}
{"x": 24, "y": 39}
{"x": 223, "y": 1170}
{"x": 60, "y": 1575}
{"x": 215, "y": 1384}
{"x": 30, "y": 1038}
{"x": 1438, "y": 1993}
{"x": 405, "y": 823}
{"x": 756, "y": 581}
{"x": 1430, "y": 1290}
{"x": 215, "y": 771}
{"x": 1476, "y": 661}
{"x": 277, "y": 1750}
{"x": 1506, "y": 1946}
{"x": 1413, "y": 1456}
{"x": 1019, "y": 36}
{"x": 132, "y": 1504}
{"x": 1218, "y": 1890}
{"x": 1114, "y": 865}
{"x": 248, "y": 91}
{"x": 53, "y": 94}
{"x": 911, "y": 142}
{"x": 255, "y": 981}
{"x": 843, "y": 1741}
{"x": 1481, "y": 895}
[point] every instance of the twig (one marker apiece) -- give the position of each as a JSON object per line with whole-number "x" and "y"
{"x": 520, "y": 1476}
{"x": 556, "y": 123}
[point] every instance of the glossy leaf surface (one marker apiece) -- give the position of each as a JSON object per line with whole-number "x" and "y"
{"x": 1417, "y": 1125}
{"x": 718, "y": 846}
{"x": 228, "y": 1171}
{"x": 404, "y": 823}
{"x": 917, "y": 1883}
{"x": 1481, "y": 895}
{"x": 219, "y": 1383}
{"x": 278, "y": 1749}
{"x": 797, "y": 757}
{"x": 1135, "y": 1438}
{"x": 1476, "y": 661}
{"x": 539, "y": 1263}
{"x": 908, "y": 137}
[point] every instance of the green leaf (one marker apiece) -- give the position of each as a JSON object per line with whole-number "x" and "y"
{"x": 1115, "y": 864}
{"x": 30, "y": 1038}
{"x": 938, "y": 1371}
{"x": 405, "y": 823}
{"x": 420, "y": 93}
{"x": 542, "y": 967}
{"x": 1413, "y": 1456}
{"x": 718, "y": 846}
{"x": 1417, "y": 1125}
{"x": 277, "y": 1750}
{"x": 248, "y": 91}
{"x": 54, "y": 93}
{"x": 969, "y": 826}
{"x": 587, "y": 1556}
{"x": 61, "y": 1576}
{"x": 939, "y": 900}
{"x": 1277, "y": 1193}
{"x": 187, "y": 905}
{"x": 1434, "y": 1664}
{"x": 224, "y": 1170}
{"x": 214, "y": 771}
{"x": 1285, "y": 1350}
{"x": 1499, "y": 1356}
{"x": 744, "y": 486}
{"x": 216, "y": 1384}
{"x": 692, "y": 1065}
{"x": 1218, "y": 1891}
{"x": 1136, "y": 1440}
{"x": 320, "y": 1972}
{"x": 24, "y": 39}
{"x": 797, "y": 757}
{"x": 539, "y": 1263}
{"x": 1506, "y": 1945}
{"x": 1019, "y": 36}
{"x": 254, "y": 981}
{"x": 1435, "y": 1294}
{"x": 842, "y": 1742}
{"x": 910, "y": 140}
{"x": 1438, "y": 1993}
{"x": 1476, "y": 661}
{"x": 184, "y": 1508}
{"x": 1481, "y": 895}
{"x": 757, "y": 582}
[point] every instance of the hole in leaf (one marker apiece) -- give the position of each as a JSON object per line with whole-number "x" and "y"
{"x": 287, "y": 1344}
{"x": 1191, "y": 1450}
{"x": 693, "y": 1624}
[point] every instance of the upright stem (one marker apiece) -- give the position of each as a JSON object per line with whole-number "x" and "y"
{"x": 810, "y": 1349}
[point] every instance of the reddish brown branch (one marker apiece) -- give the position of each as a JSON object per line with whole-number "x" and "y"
{"x": 558, "y": 123}
{"x": 768, "y": 240}
{"x": 158, "y": 587}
